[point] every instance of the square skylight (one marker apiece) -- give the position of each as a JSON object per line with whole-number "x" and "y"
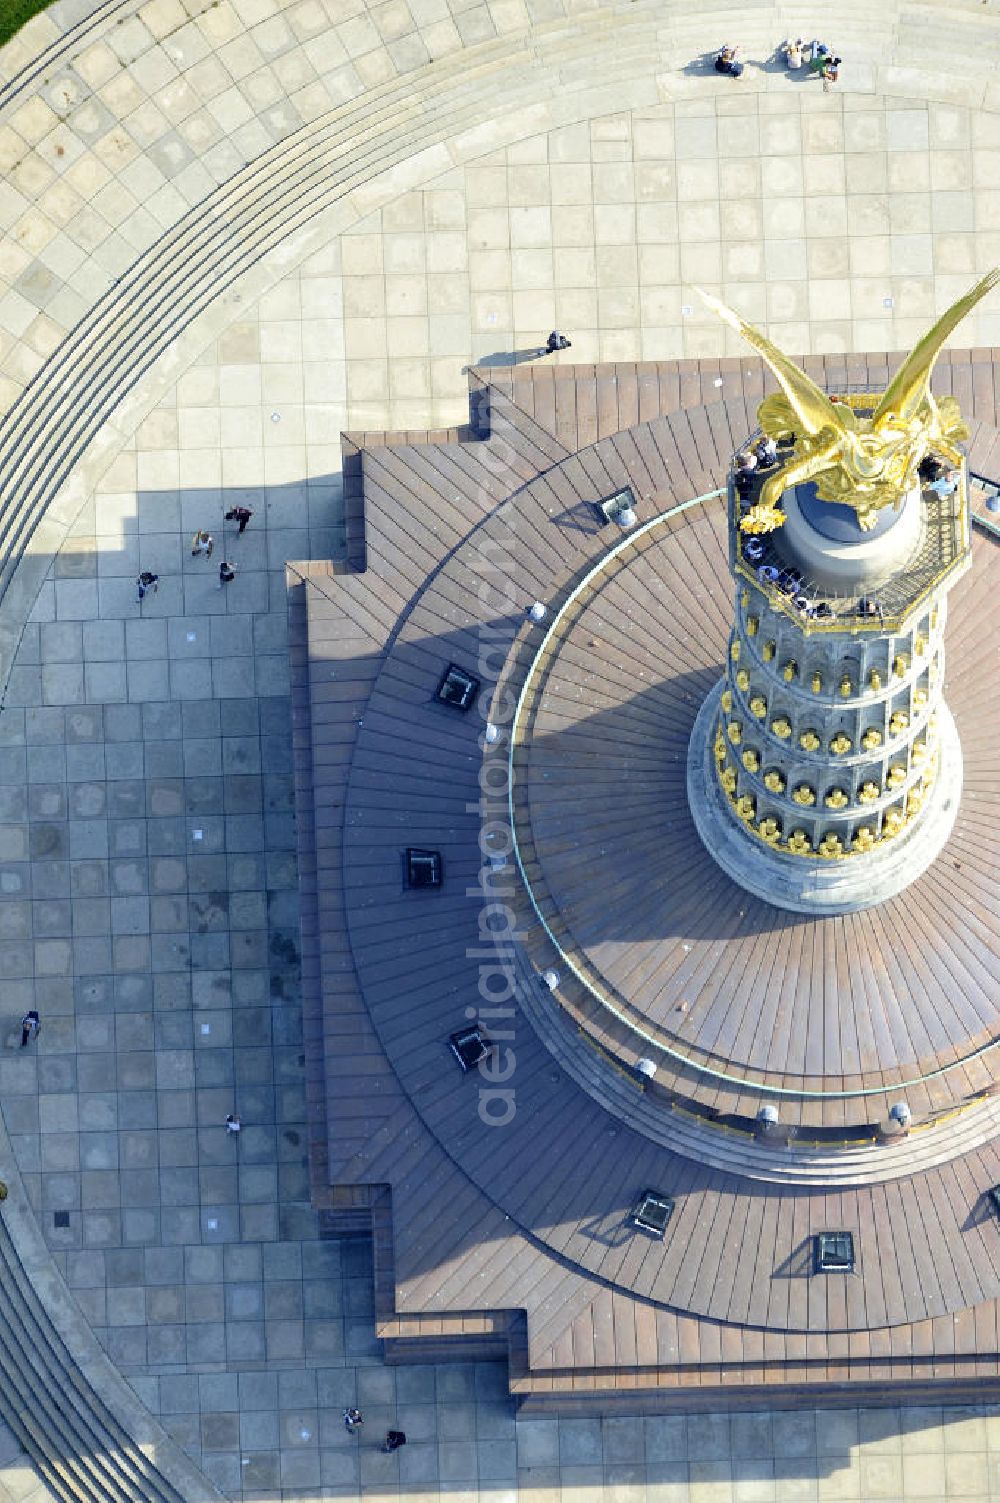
{"x": 457, "y": 689}
{"x": 470, "y": 1046}
{"x": 613, "y": 506}
{"x": 653, "y": 1212}
{"x": 833, "y": 1252}
{"x": 423, "y": 868}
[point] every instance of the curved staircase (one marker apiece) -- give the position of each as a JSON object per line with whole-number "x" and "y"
{"x": 86, "y": 1433}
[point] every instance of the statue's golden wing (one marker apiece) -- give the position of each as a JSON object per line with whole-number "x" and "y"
{"x": 812, "y": 407}
{"x": 910, "y": 386}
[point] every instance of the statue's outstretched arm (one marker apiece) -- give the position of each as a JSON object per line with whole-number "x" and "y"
{"x": 812, "y": 407}
{"x": 910, "y": 386}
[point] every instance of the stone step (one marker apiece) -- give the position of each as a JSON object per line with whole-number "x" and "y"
{"x": 963, "y": 36}
{"x": 78, "y": 1448}
{"x": 734, "y": 1152}
{"x": 112, "y": 346}
{"x": 269, "y": 200}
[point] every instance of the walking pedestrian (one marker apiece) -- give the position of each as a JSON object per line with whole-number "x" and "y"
{"x": 30, "y": 1024}
{"x": 202, "y": 542}
{"x": 353, "y": 1418}
{"x": 393, "y": 1440}
{"x": 233, "y": 1123}
{"x": 147, "y": 582}
{"x": 241, "y": 514}
{"x": 227, "y": 573}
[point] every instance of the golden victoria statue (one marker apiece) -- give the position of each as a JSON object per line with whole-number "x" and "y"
{"x": 867, "y": 462}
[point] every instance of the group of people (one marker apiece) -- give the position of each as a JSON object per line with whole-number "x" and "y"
{"x": 816, "y": 55}
{"x": 354, "y": 1419}
{"x": 797, "y": 54}
{"x": 760, "y": 455}
{"x": 202, "y": 543}
{"x": 937, "y": 476}
{"x": 788, "y": 581}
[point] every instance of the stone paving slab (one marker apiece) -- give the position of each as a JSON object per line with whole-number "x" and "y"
{"x": 143, "y": 121}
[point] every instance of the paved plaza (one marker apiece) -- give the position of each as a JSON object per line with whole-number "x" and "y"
{"x": 148, "y": 901}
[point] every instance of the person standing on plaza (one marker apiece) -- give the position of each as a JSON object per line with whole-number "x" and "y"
{"x": 241, "y": 514}
{"x": 353, "y": 1419}
{"x": 227, "y": 573}
{"x": 147, "y": 582}
{"x": 202, "y": 542}
{"x": 233, "y": 1123}
{"x": 30, "y": 1024}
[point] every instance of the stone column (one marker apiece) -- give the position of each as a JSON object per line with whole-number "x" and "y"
{"x": 825, "y": 770}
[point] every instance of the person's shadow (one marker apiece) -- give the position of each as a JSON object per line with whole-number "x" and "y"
{"x": 507, "y": 357}
{"x": 703, "y": 64}
{"x": 776, "y": 63}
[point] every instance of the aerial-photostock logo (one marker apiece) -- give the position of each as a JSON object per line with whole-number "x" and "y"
{"x": 501, "y": 612}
